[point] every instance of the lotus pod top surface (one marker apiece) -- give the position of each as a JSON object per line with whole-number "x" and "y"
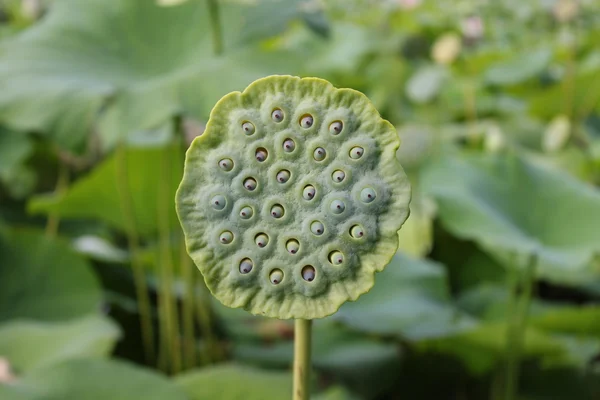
{"x": 292, "y": 198}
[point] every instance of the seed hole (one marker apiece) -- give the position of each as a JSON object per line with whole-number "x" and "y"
{"x": 226, "y": 237}
{"x": 336, "y": 257}
{"x": 277, "y": 211}
{"x": 356, "y": 152}
{"x": 226, "y": 164}
{"x": 319, "y": 154}
{"x": 277, "y": 115}
{"x": 317, "y": 228}
{"x": 338, "y": 175}
{"x": 289, "y": 145}
{"x": 337, "y": 206}
{"x": 246, "y": 265}
{"x": 336, "y": 127}
{"x": 261, "y": 154}
{"x": 261, "y": 240}
{"x": 283, "y": 176}
{"x": 367, "y": 195}
{"x": 292, "y": 246}
{"x": 218, "y": 202}
{"x": 309, "y": 192}
{"x": 308, "y": 273}
{"x": 248, "y": 128}
{"x": 306, "y": 121}
{"x": 250, "y": 184}
{"x": 276, "y": 276}
{"x": 246, "y": 212}
{"x": 357, "y": 231}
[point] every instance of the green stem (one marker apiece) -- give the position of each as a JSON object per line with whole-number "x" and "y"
{"x": 519, "y": 310}
{"x": 302, "y": 349}
{"x": 166, "y": 267}
{"x": 62, "y": 183}
{"x": 215, "y": 24}
{"x": 139, "y": 277}
{"x": 187, "y": 275}
{"x": 212, "y": 350}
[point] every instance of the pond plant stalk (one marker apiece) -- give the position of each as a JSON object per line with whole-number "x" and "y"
{"x": 302, "y": 353}
{"x": 62, "y": 183}
{"x": 521, "y": 289}
{"x": 133, "y": 243}
{"x": 170, "y": 336}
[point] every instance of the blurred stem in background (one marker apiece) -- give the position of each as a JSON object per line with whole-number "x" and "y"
{"x": 187, "y": 308}
{"x": 215, "y": 23}
{"x": 62, "y": 183}
{"x": 170, "y": 337}
{"x": 139, "y": 276}
{"x": 521, "y": 287}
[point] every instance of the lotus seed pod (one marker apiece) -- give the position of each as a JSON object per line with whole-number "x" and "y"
{"x": 295, "y": 234}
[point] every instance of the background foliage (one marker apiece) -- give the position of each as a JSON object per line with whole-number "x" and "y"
{"x": 494, "y": 294}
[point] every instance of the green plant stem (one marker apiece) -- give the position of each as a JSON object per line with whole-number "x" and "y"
{"x": 215, "y": 24}
{"x": 187, "y": 274}
{"x": 212, "y": 350}
{"x": 139, "y": 277}
{"x": 302, "y": 349}
{"x": 62, "y": 183}
{"x": 518, "y": 311}
{"x": 171, "y": 338}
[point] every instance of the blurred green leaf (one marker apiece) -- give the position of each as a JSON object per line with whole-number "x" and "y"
{"x": 231, "y": 382}
{"x": 98, "y": 195}
{"x": 92, "y": 380}
{"x": 18, "y": 178}
{"x": 410, "y": 299}
{"x": 578, "y": 98}
{"x": 131, "y": 63}
{"x": 100, "y": 249}
{"x": 43, "y": 279}
{"x": 519, "y": 69}
{"x": 482, "y": 348}
{"x": 269, "y": 18}
{"x": 512, "y": 207}
{"x": 30, "y": 344}
{"x": 425, "y": 84}
{"x": 14, "y": 148}
{"x": 416, "y": 235}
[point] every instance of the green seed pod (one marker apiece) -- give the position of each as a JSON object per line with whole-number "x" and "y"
{"x": 302, "y": 227}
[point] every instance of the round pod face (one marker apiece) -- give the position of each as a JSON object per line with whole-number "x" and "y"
{"x": 292, "y": 198}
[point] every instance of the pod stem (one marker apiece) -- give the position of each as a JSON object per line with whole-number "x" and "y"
{"x": 302, "y": 349}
